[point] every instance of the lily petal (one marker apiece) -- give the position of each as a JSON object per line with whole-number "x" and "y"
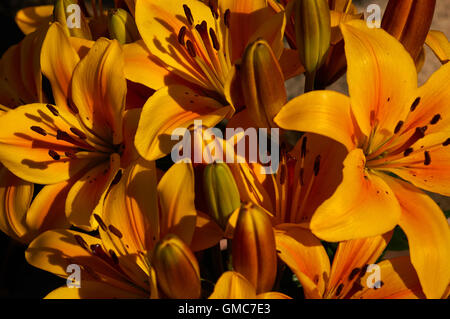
{"x": 181, "y": 107}
{"x": 399, "y": 281}
{"x": 176, "y": 193}
{"x": 379, "y": 97}
{"x": 31, "y": 18}
{"x": 350, "y": 258}
{"x": 305, "y": 256}
{"x": 322, "y": 112}
{"x": 354, "y": 210}
{"x": 437, "y": 41}
{"x": 99, "y": 89}
{"x": 207, "y": 233}
{"x": 86, "y": 196}
{"x": 26, "y": 152}
{"x": 428, "y": 236}
{"x": 58, "y": 61}
{"x": 15, "y": 196}
{"x": 232, "y": 285}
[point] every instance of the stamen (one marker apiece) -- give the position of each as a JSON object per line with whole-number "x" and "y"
{"x": 78, "y": 133}
{"x": 435, "y": 119}
{"x": 408, "y": 151}
{"x": 63, "y": 136}
{"x": 317, "y": 165}
{"x": 100, "y": 222}
{"x": 398, "y": 127}
{"x": 339, "y": 289}
{"x": 71, "y": 155}
{"x": 415, "y": 103}
{"x": 39, "y": 130}
{"x": 114, "y": 257}
{"x": 190, "y": 48}
{"x": 303, "y": 152}
{"x": 54, "y": 155}
{"x": 427, "y": 158}
{"x": 115, "y": 231}
{"x": 81, "y": 242}
{"x": 215, "y": 42}
{"x": 188, "y": 14}
{"x": 226, "y": 18}
{"x": 181, "y": 35}
{"x": 446, "y": 143}
{"x": 354, "y": 272}
{"x": 52, "y": 109}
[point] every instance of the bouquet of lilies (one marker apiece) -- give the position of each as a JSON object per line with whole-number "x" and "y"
{"x": 149, "y": 149}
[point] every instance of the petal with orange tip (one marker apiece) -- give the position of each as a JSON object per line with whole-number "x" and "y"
{"x": 437, "y": 41}
{"x": 428, "y": 235}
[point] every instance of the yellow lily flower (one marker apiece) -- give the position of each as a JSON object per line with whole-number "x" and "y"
{"x": 389, "y": 126}
{"x": 33, "y": 18}
{"x": 349, "y": 276}
{"x": 307, "y": 176}
{"x": 141, "y": 217}
{"x": 200, "y": 44}
{"x": 86, "y": 138}
{"x": 233, "y": 285}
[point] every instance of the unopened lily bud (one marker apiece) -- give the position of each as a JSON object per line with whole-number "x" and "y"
{"x": 221, "y": 192}
{"x": 253, "y": 247}
{"x": 122, "y": 27}
{"x": 262, "y": 83}
{"x": 313, "y": 32}
{"x": 71, "y": 17}
{"x": 177, "y": 270}
{"x": 409, "y": 21}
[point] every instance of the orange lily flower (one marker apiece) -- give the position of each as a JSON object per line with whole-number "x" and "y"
{"x": 86, "y": 138}
{"x": 389, "y": 126}
{"x": 139, "y": 214}
{"x": 349, "y": 274}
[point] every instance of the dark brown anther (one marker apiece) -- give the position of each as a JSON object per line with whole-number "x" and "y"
{"x": 97, "y": 250}
{"x": 398, "y": 127}
{"x": 435, "y": 119}
{"x": 317, "y": 165}
{"x": 54, "y": 155}
{"x": 408, "y": 151}
{"x": 215, "y": 42}
{"x": 226, "y": 18}
{"x": 339, "y": 289}
{"x": 100, "y": 222}
{"x": 114, "y": 257}
{"x": 39, "y": 130}
{"x": 427, "y": 158}
{"x": 283, "y": 175}
{"x": 188, "y": 14}
{"x": 53, "y": 109}
{"x": 354, "y": 272}
{"x": 115, "y": 231}
{"x": 303, "y": 151}
{"x": 446, "y": 143}
{"x": 181, "y": 35}
{"x": 415, "y": 103}
{"x": 190, "y": 48}
{"x": 117, "y": 178}
{"x": 78, "y": 133}
{"x": 63, "y": 136}
{"x": 70, "y": 155}
{"x": 81, "y": 242}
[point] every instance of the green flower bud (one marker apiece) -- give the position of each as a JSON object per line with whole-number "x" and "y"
{"x": 122, "y": 26}
{"x": 221, "y": 192}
